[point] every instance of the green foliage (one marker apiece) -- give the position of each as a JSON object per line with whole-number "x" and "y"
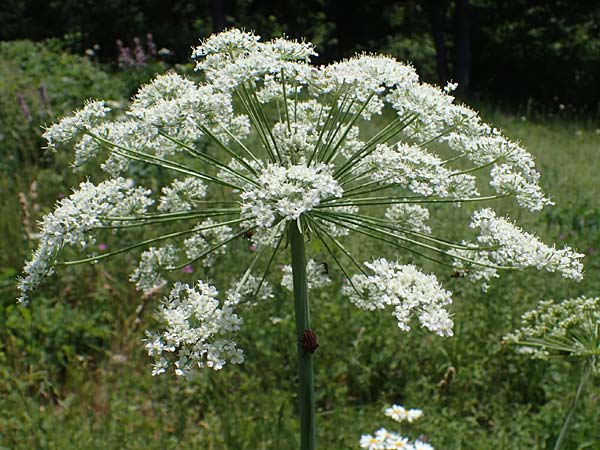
{"x": 73, "y": 373}
{"x": 41, "y": 83}
{"x": 101, "y": 23}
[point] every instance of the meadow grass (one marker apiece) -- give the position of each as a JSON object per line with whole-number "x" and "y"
{"x": 73, "y": 373}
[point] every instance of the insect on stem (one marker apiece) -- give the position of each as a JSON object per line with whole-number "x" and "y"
{"x": 309, "y": 341}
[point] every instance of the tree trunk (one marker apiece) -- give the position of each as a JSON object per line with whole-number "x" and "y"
{"x": 344, "y": 14}
{"x": 462, "y": 46}
{"x": 217, "y": 9}
{"x": 436, "y": 16}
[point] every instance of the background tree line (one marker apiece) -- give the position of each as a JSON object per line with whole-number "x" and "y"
{"x": 517, "y": 50}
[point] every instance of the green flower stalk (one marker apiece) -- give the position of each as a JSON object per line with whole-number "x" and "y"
{"x": 305, "y": 351}
{"x": 273, "y": 149}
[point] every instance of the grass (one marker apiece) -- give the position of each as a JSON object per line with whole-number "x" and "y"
{"x": 73, "y": 374}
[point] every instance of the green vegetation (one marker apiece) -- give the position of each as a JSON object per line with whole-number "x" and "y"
{"x": 74, "y": 375}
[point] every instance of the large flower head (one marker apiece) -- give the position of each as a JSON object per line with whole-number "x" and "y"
{"x": 266, "y": 141}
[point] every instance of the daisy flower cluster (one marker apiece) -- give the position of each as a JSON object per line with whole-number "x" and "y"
{"x": 267, "y": 142}
{"x": 383, "y": 439}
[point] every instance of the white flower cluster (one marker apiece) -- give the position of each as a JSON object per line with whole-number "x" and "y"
{"x": 400, "y": 413}
{"x": 75, "y": 218}
{"x": 287, "y": 192}
{"x": 461, "y": 128}
{"x": 476, "y": 266}
{"x": 198, "y": 332}
{"x": 73, "y": 126}
{"x": 407, "y": 290}
{"x": 316, "y": 276}
{"x": 154, "y": 262}
{"x": 559, "y": 328}
{"x": 418, "y": 171}
{"x": 513, "y": 247}
{"x": 368, "y": 77}
{"x": 505, "y": 180}
{"x": 230, "y": 58}
{"x": 384, "y": 439}
{"x": 412, "y": 217}
{"x": 176, "y": 105}
{"x": 181, "y": 195}
{"x": 169, "y": 86}
{"x": 210, "y": 234}
{"x": 169, "y": 105}
{"x": 249, "y": 291}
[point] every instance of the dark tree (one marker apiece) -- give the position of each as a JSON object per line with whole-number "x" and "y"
{"x": 462, "y": 46}
{"x": 437, "y": 13}
{"x": 345, "y": 16}
{"x": 217, "y": 10}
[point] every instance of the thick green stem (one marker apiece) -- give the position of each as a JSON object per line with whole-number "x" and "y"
{"x": 587, "y": 370}
{"x": 305, "y": 360}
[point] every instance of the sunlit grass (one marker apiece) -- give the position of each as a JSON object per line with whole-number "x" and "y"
{"x": 73, "y": 374}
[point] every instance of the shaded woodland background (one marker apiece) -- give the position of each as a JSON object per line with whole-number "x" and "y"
{"x": 524, "y": 52}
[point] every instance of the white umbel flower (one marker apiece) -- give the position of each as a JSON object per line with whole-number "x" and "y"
{"x": 182, "y": 194}
{"x": 407, "y": 291}
{"x": 316, "y": 276}
{"x": 71, "y": 127}
{"x": 288, "y": 192}
{"x": 73, "y": 220}
{"x": 197, "y": 333}
{"x": 413, "y": 217}
{"x": 268, "y": 144}
{"x": 560, "y": 328}
{"x": 520, "y": 249}
{"x": 154, "y": 262}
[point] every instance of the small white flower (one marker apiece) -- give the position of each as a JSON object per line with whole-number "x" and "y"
{"x": 197, "y": 333}
{"x": 182, "y": 194}
{"x": 371, "y": 443}
{"x": 400, "y": 414}
{"x": 405, "y": 289}
{"x": 420, "y": 445}
{"x": 288, "y": 192}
